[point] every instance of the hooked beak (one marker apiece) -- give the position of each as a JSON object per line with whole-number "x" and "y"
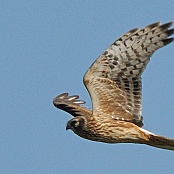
{"x": 68, "y": 126}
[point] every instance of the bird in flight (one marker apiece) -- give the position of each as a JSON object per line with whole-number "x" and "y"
{"x": 114, "y": 84}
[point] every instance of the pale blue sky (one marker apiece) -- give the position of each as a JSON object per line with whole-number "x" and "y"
{"x": 46, "y": 47}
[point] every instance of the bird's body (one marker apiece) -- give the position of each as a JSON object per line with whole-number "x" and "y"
{"x": 116, "y": 132}
{"x": 114, "y": 84}
{"x": 119, "y": 132}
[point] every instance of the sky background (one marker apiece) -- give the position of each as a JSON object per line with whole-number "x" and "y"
{"x": 45, "y": 49}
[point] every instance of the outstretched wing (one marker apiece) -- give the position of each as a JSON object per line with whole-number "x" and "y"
{"x": 71, "y": 105}
{"x": 114, "y": 79}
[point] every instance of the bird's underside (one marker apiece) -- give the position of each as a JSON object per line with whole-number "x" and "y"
{"x": 114, "y": 84}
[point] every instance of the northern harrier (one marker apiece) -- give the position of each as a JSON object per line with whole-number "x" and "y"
{"x": 114, "y": 84}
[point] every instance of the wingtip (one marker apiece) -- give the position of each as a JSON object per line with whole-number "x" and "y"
{"x": 159, "y": 24}
{"x": 66, "y": 97}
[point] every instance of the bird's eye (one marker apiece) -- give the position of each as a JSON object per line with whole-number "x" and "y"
{"x": 75, "y": 123}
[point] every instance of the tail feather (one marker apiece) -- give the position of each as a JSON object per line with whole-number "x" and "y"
{"x": 161, "y": 142}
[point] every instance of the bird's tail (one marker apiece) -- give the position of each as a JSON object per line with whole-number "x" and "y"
{"x": 160, "y": 142}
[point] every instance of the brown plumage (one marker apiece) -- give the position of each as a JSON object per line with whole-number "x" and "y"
{"x": 114, "y": 84}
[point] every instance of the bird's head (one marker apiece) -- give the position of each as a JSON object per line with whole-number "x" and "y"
{"x": 76, "y": 124}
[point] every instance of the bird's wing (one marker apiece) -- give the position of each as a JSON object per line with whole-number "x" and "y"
{"x": 114, "y": 79}
{"x": 71, "y": 105}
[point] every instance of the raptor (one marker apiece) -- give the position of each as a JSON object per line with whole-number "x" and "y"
{"x": 115, "y": 87}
